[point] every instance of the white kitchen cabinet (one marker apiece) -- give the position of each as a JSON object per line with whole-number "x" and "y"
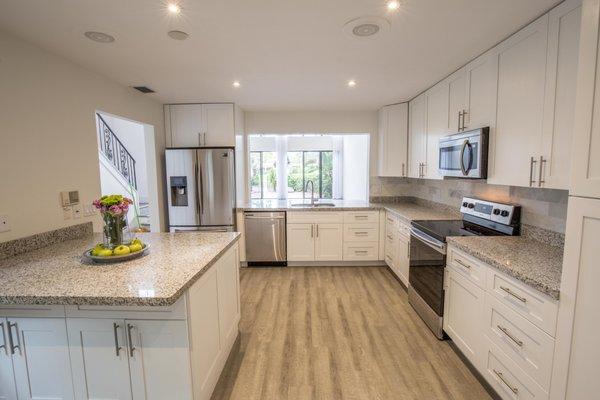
{"x": 300, "y": 242}
{"x": 456, "y": 101}
{"x": 228, "y": 281}
{"x": 393, "y": 140}
{"x": 403, "y": 260}
{"x": 328, "y": 242}
{"x": 159, "y": 360}
{"x": 99, "y": 358}
{"x": 576, "y": 366}
{"x": 193, "y": 125}
{"x": 517, "y": 140}
{"x": 417, "y": 139}
{"x": 585, "y": 154}
{"x": 437, "y": 122}
{"x": 464, "y": 304}
{"x": 481, "y": 76}
{"x": 8, "y": 388}
{"x": 561, "y": 83}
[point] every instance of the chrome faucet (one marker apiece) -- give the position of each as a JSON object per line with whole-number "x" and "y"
{"x": 312, "y": 192}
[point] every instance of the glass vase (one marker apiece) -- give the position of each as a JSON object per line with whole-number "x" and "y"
{"x": 114, "y": 226}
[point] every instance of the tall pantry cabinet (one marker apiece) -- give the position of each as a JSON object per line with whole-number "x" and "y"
{"x": 576, "y": 366}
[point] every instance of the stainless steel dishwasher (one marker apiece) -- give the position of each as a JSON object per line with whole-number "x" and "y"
{"x": 265, "y": 235}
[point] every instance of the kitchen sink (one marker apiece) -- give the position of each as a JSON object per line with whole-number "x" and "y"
{"x": 314, "y": 205}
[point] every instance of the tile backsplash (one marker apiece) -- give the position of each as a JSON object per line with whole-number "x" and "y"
{"x": 543, "y": 208}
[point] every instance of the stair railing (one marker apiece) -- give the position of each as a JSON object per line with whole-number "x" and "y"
{"x": 116, "y": 152}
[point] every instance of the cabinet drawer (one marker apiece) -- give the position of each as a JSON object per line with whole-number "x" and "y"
{"x": 468, "y": 266}
{"x": 404, "y": 229}
{"x": 361, "y": 217}
{"x": 391, "y": 220}
{"x": 529, "y": 303}
{"x": 509, "y": 381}
{"x": 360, "y": 251}
{"x": 361, "y": 232}
{"x": 315, "y": 217}
{"x": 527, "y": 345}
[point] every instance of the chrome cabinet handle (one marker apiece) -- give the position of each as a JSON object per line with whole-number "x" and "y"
{"x": 199, "y": 138}
{"x": 390, "y": 237}
{"x": 532, "y": 163}
{"x": 462, "y": 263}
{"x": 3, "y": 346}
{"x": 503, "y": 379}
{"x": 130, "y": 327}
{"x": 402, "y": 169}
{"x": 408, "y": 246}
{"x": 311, "y": 231}
{"x": 361, "y": 233}
{"x": 510, "y": 336}
{"x": 459, "y": 117}
{"x": 11, "y": 341}
{"x": 541, "y": 180}
{"x": 204, "y": 137}
{"x": 317, "y": 235}
{"x": 464, "y": 114}
{"x": 116, "y": 333}
{"x": 513, "y": 294}
{"x": 360, "y": 251}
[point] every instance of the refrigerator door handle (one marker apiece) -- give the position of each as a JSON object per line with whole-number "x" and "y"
{"x": 201, "y": 190}
{"x": 197, "y": 197}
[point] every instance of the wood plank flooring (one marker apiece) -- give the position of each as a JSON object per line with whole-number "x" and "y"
{"x": 337, "y": 333}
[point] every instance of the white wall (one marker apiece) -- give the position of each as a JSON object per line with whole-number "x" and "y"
{"x": 355, "y": 183}
{"x": 326, "y": 122}
{"x": 48, "y": 134}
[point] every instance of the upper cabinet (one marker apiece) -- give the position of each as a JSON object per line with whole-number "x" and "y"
{"x": 481, "y": 76}
{"x": 393, "y": 140}
{"x": 517, "y": 139}
{"x": 195, "y": 125}
{"x": 585, "y": 165}
{"x": 417, "y": 136}
{"x": 457, "y": 98}
{"x": 437, "y": 123}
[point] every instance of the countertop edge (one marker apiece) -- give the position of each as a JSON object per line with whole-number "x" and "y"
{"x": 116, "y": 301}
{"x": 544, "y": 289}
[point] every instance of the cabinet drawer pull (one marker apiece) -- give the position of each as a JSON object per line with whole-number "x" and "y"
{"x": 513, "y": 294}
{"x": 462, "y": 263}
{"x": 3, "y": 346}
{"x": 390, "y": 237}
{"x": 360, "y": 251}
{"x": 312, "y": 227}
{"x": 361, "y": 216}
{"x": 317, "y": 235}
{"x": 11, "y": 341}
{"x": 510, "y": 336}
{"x": 130, "y": 327}
{"x": 503, "y": 379}
{"x": 361, "y": 233}
{"x": 116, "y": 333}
{"x": 541, "y": 180}
{"x": 532, "y": 163}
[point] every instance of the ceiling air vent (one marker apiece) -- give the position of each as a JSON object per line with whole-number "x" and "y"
{"x": 366, "y": 27}
{"x": 144, "y": 89}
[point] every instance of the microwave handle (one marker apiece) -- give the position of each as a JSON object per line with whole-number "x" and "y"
{"x": 465, "y": 170}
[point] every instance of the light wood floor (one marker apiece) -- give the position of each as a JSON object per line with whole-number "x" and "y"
{"x": 337, "y": 333}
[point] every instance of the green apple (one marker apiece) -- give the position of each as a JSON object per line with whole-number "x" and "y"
{"x": 135, "y": 247}
{"x": 104, "y": 253}
{"x": 121, "y": 250}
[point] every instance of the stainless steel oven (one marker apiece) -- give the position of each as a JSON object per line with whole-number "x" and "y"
{"x": 464, "y": 154}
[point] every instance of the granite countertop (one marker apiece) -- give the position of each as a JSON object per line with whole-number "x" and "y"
{"x": 57, "y": 274}
{"x": 534, "y": 263}
{"x": 408, "y": 211}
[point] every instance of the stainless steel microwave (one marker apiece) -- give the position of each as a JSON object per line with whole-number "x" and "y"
{"x": 465, "y": 154}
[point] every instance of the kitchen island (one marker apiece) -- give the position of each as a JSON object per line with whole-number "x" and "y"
{"x": 160, "y": 326}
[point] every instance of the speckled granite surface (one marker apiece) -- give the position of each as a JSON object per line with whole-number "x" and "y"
{"x": 287, "y": 205}
{"x": 409, "y": 211}
{"x": 57, "y": 275}
{"x": 33, "y": 242}
{"x": 536, "y": 264}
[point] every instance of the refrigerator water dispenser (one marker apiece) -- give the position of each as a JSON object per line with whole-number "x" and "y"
{"x": 179, "y": 191}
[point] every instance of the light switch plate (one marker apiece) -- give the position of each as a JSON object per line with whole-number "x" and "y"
{"x": 4, "y": 225}
{"x": 67, "y": 212}
{"x": 77, "y": 212}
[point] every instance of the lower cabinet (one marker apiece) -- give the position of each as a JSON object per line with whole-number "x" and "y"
{"x": 397, "y": 247}
{"x": 463, "y": 314}
{"x": 34, "y": 359}
{"x": 314, "y": 242}
{"x": 328, "y": 242}
{"x": 403, "y": 261}
{"x": 301, "y": 242}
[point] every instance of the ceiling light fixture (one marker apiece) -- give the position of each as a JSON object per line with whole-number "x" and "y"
{"x": 351, "y": 83}
{"x": 393, "y": 5}
{"x": 99, "y": 37}
{"x": 236, "y": 84}
{"x": 174, "y": 8}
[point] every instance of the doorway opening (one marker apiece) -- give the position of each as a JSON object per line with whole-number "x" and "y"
{"x": 127, "y": 163}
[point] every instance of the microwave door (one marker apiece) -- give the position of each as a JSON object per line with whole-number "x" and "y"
{"x": 466, "y": 157}
{"x": 181, "y": 165}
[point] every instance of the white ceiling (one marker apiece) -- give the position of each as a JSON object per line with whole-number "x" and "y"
{"x": 288, "y": 54}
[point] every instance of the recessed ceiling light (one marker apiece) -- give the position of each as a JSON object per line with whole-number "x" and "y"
{"x": 236, "y": 84}
{"x": 174, "y": 8}
{"x": 393, "y": 5}
{"x": 351, "y": 83}
{"x": 178, "y": 35}
{"x": 99, "y": 37}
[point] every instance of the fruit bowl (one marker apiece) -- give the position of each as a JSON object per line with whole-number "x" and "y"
{"x": 116, "y": 258}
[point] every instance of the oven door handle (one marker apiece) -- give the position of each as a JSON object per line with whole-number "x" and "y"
{"x": 466, "y": 170}
{"x": 431, "y": 242}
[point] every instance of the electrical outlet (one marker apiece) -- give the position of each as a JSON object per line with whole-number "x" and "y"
{"x": 77, "y": 213}
{"x": 4, "y": 225}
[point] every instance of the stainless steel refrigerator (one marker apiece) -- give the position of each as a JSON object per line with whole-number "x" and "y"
{"x": 201, "y": 189}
